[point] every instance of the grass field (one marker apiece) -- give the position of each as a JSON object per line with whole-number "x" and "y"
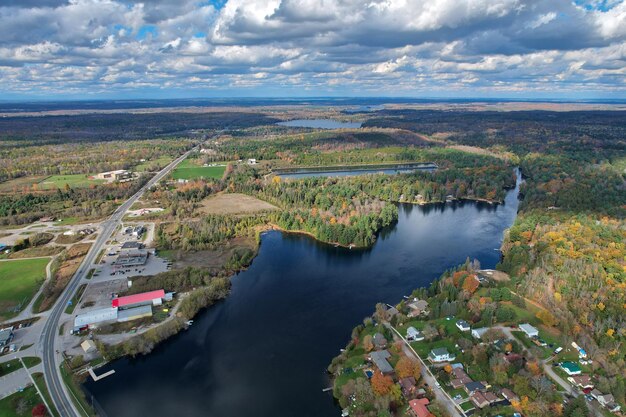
{"x": 234, "y": 204}
{"x": 19, "y": 281}
{"x": 162, "y": 162}
{"x": 188, "y": 170}
{"x": 19, "y": 184}
{"x": 74, "y": 181}
{"x": 19, "y": 404}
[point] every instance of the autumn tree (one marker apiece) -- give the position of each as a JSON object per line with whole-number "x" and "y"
{"x": 368, "y": 344}
{"x": 381, "y": 384}
{"x": 405, "y": 367}
{"x": 39, "y": 411}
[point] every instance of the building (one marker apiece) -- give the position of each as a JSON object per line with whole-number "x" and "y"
{"x": 132, "y": 245}
{"x": 88, "y": 346}
{"x": 483, "y": 399}
{"x": 417, "y": 408}
{"x": 529, "y": 330}
{"x": 463, "y": 326}
{"x": 457, "y": 383}
{"x": 418, "y": 308}
{"x": 571, "y": 368}
{"x": 131, "y": 258}
{"x": 117, "y": 175}
{"x": 390, "y": 312}
{"x": 473, "y": 386}
{"x": 408, "y": 387}
{"x": 440, "y": 355}
{"x": 6, "y": 336}
{"x": 90, "y": 318}
{"x": 581, "y": 381}
{"x": 252, "y": 161}
{"x": 478, "y": 333}
{"x": 379, "y": 341}
{"x": 134, "y": 313}
{"x": 145, "y": 298}
{"x": 413, "y": 334}
{"x": 509, "y": 395}
{"x": 606, "y": 400}
{"x": 380, "y": 360}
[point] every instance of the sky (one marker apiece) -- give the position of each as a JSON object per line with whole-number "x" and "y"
{"x": 89, "y": 49}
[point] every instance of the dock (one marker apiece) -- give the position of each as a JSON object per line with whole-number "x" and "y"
{"x": 99, "y": 377}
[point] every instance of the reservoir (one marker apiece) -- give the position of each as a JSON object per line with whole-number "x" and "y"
{"x": 321, "y": 124}
{"x": 264, "y": 350}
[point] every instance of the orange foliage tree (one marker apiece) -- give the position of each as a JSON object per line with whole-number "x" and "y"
{"x": 381, "y": 384}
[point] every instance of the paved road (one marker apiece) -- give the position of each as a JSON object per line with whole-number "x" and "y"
{"x": 49, "y": 338}
{"x": 441, "y": 396}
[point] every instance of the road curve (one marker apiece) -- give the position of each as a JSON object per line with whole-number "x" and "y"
{"x": 49, "y": 338}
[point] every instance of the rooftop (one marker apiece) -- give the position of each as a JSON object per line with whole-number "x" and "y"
{"x": 137, "y": 298}
{"x": 419, "y": 407}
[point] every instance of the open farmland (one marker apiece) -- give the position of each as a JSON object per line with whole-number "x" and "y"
{"x": 19, "y": 281}
{"x": 188, "y": 170}
{"x": 74, "y": 181}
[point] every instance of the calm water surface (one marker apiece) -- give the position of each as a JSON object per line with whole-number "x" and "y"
{"x": 263, "y": 351}
{"x": 321, "y": 124}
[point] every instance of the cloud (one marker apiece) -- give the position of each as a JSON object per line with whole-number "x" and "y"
{"x": 403, "y": 47}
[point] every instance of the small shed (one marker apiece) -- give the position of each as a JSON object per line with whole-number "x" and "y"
{"x": 88, "y": 346}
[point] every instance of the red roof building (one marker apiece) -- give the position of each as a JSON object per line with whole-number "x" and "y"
{"x": 418, "y": 408}
{"x": 151, "y": 297}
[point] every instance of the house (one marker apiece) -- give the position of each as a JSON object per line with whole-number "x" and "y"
{"x": 380, "y": 360}
{"x": 463, "y": 326}
{"x": 413, "y": 334}
{"x": 571, "y": 368}
{"x": 88, "y": 346}
{"x": 606, "y": 400}
{"x": 458, "y": 372}
{"x": 509, "y": 395}
{"x": 390, "y": 312}
{"x": 483, "y": 399}
{"x": 417, "y": 408}
{"x": 408, "y": 387}
{"x": 478, "y": 333}
{"x": 418, "y": 308}
{"x": 145, "y": 298}
{"x": 379, "y": 341}
{"x": 457, "y": 383}
{"x": 513, "y": 357}
{"x": 473, "y": 386}
{"x": 6, "y": 336}
{"x": 46, "y": 219}
{"x": 529, "y": 330}
{"x": 440, "y": 355}
{"x": 581, "y": 381}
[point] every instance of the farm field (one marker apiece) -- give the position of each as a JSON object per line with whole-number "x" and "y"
{"x": 19, "y": 281}
{"x": 145, "y": 166}
{"x": 74, "y": 181}
{"x": 20, "y": 184}
{"x": 187, "y": 170}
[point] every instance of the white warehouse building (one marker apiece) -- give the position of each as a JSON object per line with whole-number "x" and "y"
{"x": 95, "y": 316}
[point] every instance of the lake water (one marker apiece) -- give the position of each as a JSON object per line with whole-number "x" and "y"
{"x": 264, "y": 350}
{"x": 321, "y": 124}
{"x": 307, "y": 173}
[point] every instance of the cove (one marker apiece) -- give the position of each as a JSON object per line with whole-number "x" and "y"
{"x": 264, "y": 350}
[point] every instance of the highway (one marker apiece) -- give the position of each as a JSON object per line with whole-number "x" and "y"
{"x": 48, "y": 341}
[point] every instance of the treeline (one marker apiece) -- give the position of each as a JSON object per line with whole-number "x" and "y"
{"x": 93, "y": 202}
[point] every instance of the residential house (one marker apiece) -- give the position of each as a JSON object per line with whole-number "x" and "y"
{"x": 478, "y": 333}
{"x": 463, "y": 326}
{"x": 483, "y": 399}
{"x": 509, "y": 395}
{"x": 380, "y": 360}
{"x": 390, "y": 312}
{"x": 440, "y": 355}
{"x": 529, "y": 330}
{"x": 581, "y": 381}
{"x": 473, "y": 386}
{"x": 409, "y": 390}
{"x": 457, "y": 383}
{"x": 571, "y": 368}
{"x": 418, "y": 308}
{"x": 606, "y": 400}
{"x": 417, "y": 408}
{"x": 379, "y": 341}
{"x": 413, "y": 334}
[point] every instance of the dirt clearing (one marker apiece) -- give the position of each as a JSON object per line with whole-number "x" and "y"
{"x": 234, "y": 204}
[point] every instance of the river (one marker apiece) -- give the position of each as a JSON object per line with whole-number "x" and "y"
{"x": 263, "y": 351}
